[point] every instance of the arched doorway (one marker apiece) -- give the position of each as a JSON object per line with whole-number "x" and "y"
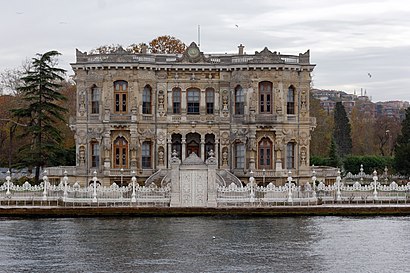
{"x": 193, "y": 141}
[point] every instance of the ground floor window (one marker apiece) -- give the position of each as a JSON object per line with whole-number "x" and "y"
{"x": 146, "y": 155}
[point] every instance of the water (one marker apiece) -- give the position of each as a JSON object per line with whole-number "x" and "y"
{"x": 306, "y": 244}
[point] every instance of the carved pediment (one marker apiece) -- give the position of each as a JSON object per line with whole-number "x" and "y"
{"x": 267, "y": 56}
{"x": 193, "y": 55}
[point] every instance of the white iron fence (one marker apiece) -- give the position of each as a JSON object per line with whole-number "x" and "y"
{"x": 310, "y": 193}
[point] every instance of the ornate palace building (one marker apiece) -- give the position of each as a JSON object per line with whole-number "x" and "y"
{"x": 138, "y": 112}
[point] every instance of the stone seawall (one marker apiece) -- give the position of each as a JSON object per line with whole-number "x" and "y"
{"x": 287, "y": 211}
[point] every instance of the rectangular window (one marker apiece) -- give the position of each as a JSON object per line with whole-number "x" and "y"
{"x": 240, "y": 156}
{"x": 117, "y": 102}
{"x": 95, "y": 155}
{"x": 210, "y": 100}
{"x": 193, "y": 102}
{"x": 265, "y": 97}
{"x": 95, "y": 101}
{"x": 290, "y": 101}
{"x": 176, "y": 102}
{"x": 124, "y": 102}
{"x": 146, "y": 155}
{"x": 239, "y": 101}
{"x": 290, "y": 155}
{"x": 146, "y": 101}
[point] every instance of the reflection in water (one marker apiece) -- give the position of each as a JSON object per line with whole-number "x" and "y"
{"x": 315, "y": 244}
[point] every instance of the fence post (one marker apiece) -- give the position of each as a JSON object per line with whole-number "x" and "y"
{"x": 314, "y": 183}
{"x": 375, "y": 178}
{"x": 339, "y": 193}
{"x": 45, "y": 182}
{"x": 65, "y": 179}
{"x": 133, "y": 196}
{"x": 8, "y": 179}
{"x": 251, "y": 182}
{"x": 95, "y": 187}
{"x": 290, "y": 187}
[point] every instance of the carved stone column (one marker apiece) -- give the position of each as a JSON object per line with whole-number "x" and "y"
{"x": 183, "y": 147}
{"x": 212, "y": 186}
{"x": 203, "y": 147}
{"x": 175, "y": 183}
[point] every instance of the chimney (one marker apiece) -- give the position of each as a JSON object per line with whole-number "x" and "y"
{"x": 241, "y": 47}
{"x": 144, "y": 49}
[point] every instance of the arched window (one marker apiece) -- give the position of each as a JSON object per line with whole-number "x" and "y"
{"x": 120, "y": 153}
{"x": 239, "y": 155}
{"x": 209, "y": 144}
{"x": 177, "y": 144}
{"x": 146, "y": 100}
{"x": 95, "y": 100}
{"x": 95, "y": 154}
{"x": 290, "y": 103}
{"x": 239, "y": 100}
{"x": 193, "y": 99}
{"x": 210, "y": 100}
{"x": 120, "y": 94}
{"x": 176, "y": 101}
{"x": 290, "y": 155}
{"x": 265, "y": 97}
{"x": 265, "y": 154}
{"x": 146, "y": 155}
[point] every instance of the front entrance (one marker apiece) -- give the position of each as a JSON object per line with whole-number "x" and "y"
{"x": 194, "y": 188}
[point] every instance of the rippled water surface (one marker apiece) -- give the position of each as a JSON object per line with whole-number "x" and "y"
{"x": 204, "y": 244}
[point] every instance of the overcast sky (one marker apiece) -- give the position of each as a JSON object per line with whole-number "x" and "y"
{"x": 348, "y": 39}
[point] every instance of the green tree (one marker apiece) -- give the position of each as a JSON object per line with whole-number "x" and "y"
{"x": 41, "y": 111}
{"x": 322, "y": 135}
{"x": 342, "y": 131}
{"x": 402, "y": 148}
{"x": 334, "y": 159}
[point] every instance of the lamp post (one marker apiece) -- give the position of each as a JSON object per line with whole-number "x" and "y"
{"x": 45, "y": 181}
{"x": 314, "y": 183}
{"x": 375, "y": 178}
{"x": 290, "y": 187}
{"x": 263, "y": 174}
{"x": 251, "y": 182}
{"x": 121, "y": 174}
{"x": 95, "y": 187}
{"x": 133, "y": 196}
{"x": 338, "y": 194}
{"x": 65, "y": 179}
{"x": 8, "y": 179}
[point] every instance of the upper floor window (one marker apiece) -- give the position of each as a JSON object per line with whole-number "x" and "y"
{"x": 146, "y": 154}
{"x": 210, "y": 100}
{"x": 265, "y": 154}
{"x": 193, "y": 99}
{"x": 290, "y": 104}
{"x": 146, "y": 100}
{"x": 239, "y": 100}
{"x": 239, "y": 156}
{"x": 120, "y": 95}
{"x": 265, "y": 97}
{"x": 95, "y": 100}
{"x": 176, "y": 101}
{"x": 290, "y": 155}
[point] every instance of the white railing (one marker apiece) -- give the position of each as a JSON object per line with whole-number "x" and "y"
{"x": 309, "y": 193}
{"x": 132, "y": 194}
